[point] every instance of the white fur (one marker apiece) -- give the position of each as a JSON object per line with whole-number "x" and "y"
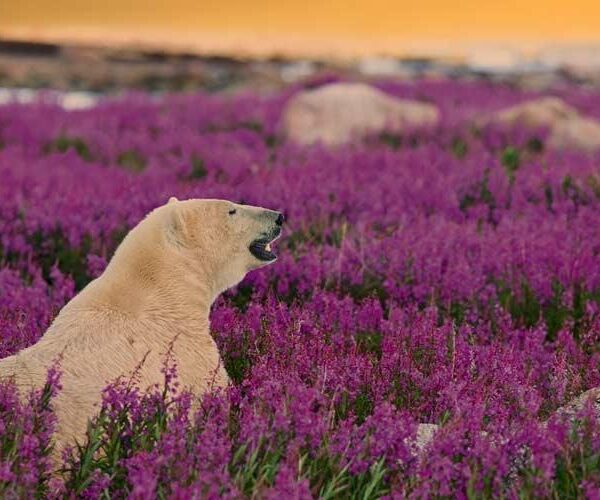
{"x": 158, "y": 287}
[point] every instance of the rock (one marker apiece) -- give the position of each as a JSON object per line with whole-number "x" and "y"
{"x": 544, "y": 112}
{"x": 568, "y": 129}
{"x": 298, "y": 70}
{"x": 68, "y": 100}
{"x": 580, "y": 133}
{"x": 425, "y": 433}
{"x": 14, "y": 96}
{"x": 494, "y": 60}
{"x": 78, "y": 100}
{"x": 571, "y": 409}
{"x": 338, "y": 113}
{"x": 381, "y": 66}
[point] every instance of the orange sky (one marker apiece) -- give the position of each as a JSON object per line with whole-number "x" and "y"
{"x": 367, "y": 21}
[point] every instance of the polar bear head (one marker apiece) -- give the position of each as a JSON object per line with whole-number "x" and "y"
{"x": 225, "y": 239}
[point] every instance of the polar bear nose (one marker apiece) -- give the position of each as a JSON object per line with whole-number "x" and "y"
{"x": 280, "y": 219}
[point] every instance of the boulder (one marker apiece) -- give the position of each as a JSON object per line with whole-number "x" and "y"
{"x": 568, "y": 129}
{"x": 426, "y": 432}
{"x": 338, "y": 113}
{"x": 544, "y": 112}
{"x": 580, "y": 133}
{"x": 571, "y": 409}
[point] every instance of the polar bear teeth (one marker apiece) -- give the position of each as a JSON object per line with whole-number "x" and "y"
{"x": 268, "y": 247}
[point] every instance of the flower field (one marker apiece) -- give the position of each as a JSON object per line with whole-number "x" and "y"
{"x": 445, "y": 276}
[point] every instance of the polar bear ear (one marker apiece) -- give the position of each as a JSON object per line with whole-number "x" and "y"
{"x": 172, "y": 199}
{"x": 176, "y": 228}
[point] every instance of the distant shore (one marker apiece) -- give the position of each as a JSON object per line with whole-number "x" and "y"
{"x": 99, "y": 62}
{"x": 261, "y": 46}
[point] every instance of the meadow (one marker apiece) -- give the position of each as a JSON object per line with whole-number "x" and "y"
{"x": 446, "y": 276}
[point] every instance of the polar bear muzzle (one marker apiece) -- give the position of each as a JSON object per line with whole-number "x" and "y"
{"x": 261, "y": 247}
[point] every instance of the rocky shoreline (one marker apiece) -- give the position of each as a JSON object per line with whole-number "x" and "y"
{"x": 32, "y": 65}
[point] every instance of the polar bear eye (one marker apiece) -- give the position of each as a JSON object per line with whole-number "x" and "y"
{"x": 232, "y": 211}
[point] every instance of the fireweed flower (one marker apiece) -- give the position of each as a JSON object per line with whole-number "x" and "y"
{"x": 442, "y": 276}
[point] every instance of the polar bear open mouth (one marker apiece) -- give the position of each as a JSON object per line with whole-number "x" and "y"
{"x": 261, "y": 249}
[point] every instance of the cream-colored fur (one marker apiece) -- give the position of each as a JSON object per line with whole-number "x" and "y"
{"x": 157, "y": 288}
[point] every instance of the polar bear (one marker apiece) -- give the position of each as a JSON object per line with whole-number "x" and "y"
{"x": 155, "y": 294}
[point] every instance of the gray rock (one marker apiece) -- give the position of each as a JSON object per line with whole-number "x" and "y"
{"x": 425, "y": 433}
{"x": 338, "y": 113}
{"x": 571, "y": 409}
{"x": 568, "y": 128}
